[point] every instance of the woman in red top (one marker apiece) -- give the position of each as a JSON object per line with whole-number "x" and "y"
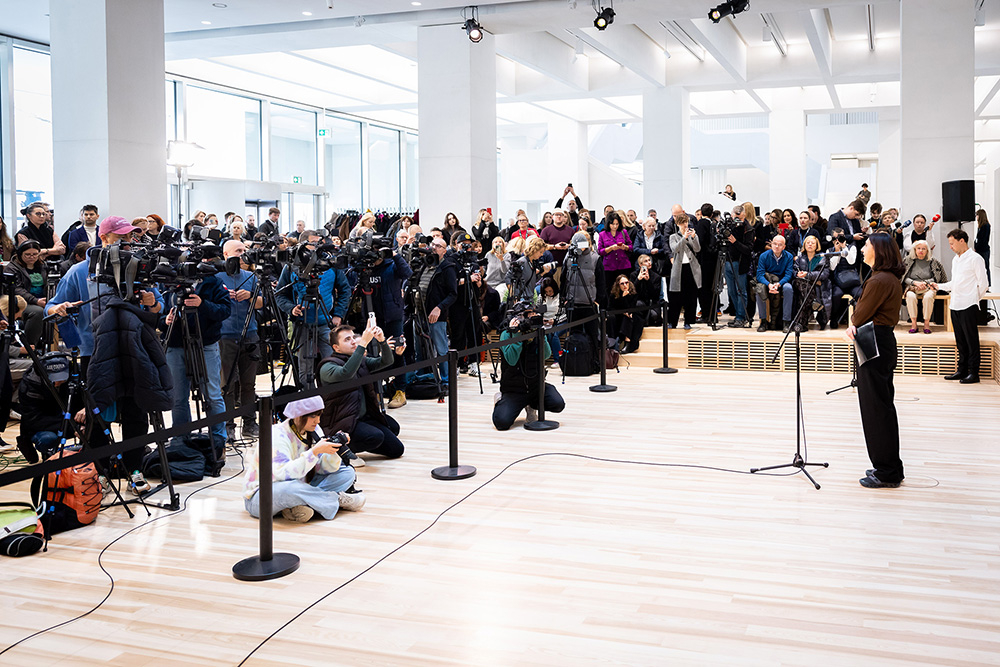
{"x": 524, "y": 230}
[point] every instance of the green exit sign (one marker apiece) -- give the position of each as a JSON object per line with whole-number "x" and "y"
{"x": 322, "y": 133}
{"x": 296, "y": 179}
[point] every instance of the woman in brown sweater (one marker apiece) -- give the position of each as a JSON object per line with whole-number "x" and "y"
{"x": 879, "y": 303}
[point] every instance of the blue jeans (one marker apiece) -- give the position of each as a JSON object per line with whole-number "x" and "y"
{"x": 786, "y": 295}
{"x": 321, "y": 493}
{"x": 737, "y": 286}
{"x": 181, "y": 411}
{"x": 439, "y": 337}
{"x": 46, "y": 442}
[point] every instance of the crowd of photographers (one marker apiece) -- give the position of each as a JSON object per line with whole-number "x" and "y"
{"x": 230, "y": 299}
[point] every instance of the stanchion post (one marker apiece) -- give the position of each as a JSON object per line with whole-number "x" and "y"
{"x": 666, "y": 344}
{"x": 453, "y": 470}
{"x": 541, "y": 424}
{"x": 267, "y": 565}
{"x": 602, "y": 355}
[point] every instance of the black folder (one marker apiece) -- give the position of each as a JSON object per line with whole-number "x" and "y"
{"x": 865, "y": 345}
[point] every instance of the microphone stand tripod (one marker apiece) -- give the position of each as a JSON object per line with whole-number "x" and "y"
{"x": 798, "y": 461}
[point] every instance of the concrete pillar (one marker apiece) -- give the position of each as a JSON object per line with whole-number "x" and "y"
{"x": 456, "y": 110}
{"x": 108, "y": 99}
{"x": 666, "y": 150}
{"x": 888, "y": 189}
{"x": 937, "y": 104}
{"x": 569, "y": 161}
{"x": 787, "y": 153}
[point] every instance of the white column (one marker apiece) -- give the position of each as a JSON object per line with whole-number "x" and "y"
{"x": 666, "y": 150}
{"x": 569, "y": 161}
{"x": 937, "y": 103}
{"x": 108, "y": 107}
{"x": 458, "y": 124}
{"x": 786, "y": 153}
{"x": 888, "y": 189}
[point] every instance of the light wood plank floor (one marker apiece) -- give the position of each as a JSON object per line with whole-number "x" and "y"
{"x": 568, "y": 561}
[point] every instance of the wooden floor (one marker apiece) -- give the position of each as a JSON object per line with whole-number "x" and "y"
{"x": 567, "y": 561}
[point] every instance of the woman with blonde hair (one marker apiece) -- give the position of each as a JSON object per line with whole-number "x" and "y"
{"x": 920, "y": 269}
{"x": 497, "y": 264}
{"x": 365, "y": 227}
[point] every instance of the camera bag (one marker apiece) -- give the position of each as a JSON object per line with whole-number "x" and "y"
{"x": 577, "y": 359}
{"x": 72, "y": 495}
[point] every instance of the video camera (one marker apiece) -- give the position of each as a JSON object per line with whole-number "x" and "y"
{"x": 130, "y": 269}
{"x": 363, "y": 253}
{"x": 528, "y": 315}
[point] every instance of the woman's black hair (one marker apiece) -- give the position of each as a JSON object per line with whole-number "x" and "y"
{"x": 887, "y": 256}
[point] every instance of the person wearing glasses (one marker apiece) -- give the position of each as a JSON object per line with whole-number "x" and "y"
{"x": 38, "y": 229}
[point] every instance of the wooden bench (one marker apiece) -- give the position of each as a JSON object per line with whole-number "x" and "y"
{"x": 946, "y": 298}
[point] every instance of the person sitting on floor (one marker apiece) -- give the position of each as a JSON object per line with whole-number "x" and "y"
{"x": 308, "y": 475}
{"x": 920, "y": 269}
{"x": 627, "y": 327}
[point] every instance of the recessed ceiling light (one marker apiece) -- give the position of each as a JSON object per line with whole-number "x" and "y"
{"x": 415, "y": 4}
{"x": 307, "y": 13}
{"x": 220, "y": 5}
{"x": 206, "y": 23}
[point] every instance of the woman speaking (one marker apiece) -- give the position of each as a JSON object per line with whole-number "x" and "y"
{"x": 879, "y": 303}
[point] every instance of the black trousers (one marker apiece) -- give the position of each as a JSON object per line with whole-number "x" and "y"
{"x": 378, "y": 438}
{"x": 966, "y": 327}
{"x": 135, "y": 422}
{"x": 878, "y": 412}
{"x": 707, "y": 292}
{"x": 240, "y": 383}
{"x": 510, "y": 406}
{"x": 687, "y": 298}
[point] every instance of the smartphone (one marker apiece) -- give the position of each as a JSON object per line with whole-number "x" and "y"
{"x": 371, "y": 320}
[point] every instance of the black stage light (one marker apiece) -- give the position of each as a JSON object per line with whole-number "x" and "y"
{"x": 605, "y": 18}
{"x": 474, "y": 31}
{"x": 728, "y": 8}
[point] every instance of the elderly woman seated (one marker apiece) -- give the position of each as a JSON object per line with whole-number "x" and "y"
{"x": 920, "y": 269}
{"x": 308, "y": 474}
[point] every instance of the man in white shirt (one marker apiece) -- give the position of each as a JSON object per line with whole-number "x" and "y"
{"x": 968, "y": 285}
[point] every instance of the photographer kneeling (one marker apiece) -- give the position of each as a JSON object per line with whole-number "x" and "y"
{"x": 519, "y": 372}
{"x": 356, "y": 411}
{"x": 308, "y": 475}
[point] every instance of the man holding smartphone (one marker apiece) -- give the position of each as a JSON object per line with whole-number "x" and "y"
{"x": 558, "y": 235}
{"x": 356, "y": 411}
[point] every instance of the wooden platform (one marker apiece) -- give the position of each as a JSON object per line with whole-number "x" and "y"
{"x": 570, "y": 561}
{"x": 827, "y": 351}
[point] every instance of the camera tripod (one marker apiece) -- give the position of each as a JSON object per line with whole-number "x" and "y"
{"x": 569, "y": 307}
{"x": 307, "y": 334}
{"x": 475, "y": 316}
{"x": 798, "y": 461}
{"x": 424, "y": 348}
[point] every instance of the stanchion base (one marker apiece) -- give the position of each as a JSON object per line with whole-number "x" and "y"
{"x": 542, "y": 425}
{"x": 458, "y": 472}
{"x": 665, "y": 370}
{"x": 604, "y": 388}
{"x": 255, "y": 569}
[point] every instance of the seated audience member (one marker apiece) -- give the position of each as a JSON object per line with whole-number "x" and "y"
{"x": 845, "y": 278}
{"x": 29, "y": 274}
{"x": 356, "y": 411}
{"x": 648, "y": 289}
{"x": 78, "y": 254}
{"x": 685, "y": 273}
{"x": 519, "y": 376}
{"x": 308, "y": 474}
{"x": 811, "y": 266}
{"x": 795, "y": 237}
{"x": 42, "y": 421}
{"x": 627, "y": 327}
{"x": 920, "y": 270}
{"x": 774, "y": 280}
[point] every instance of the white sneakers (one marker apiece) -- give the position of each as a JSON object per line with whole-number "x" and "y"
{"x": 137, "y": 484}
{"x": 298, "y": 514}
{"x": 351, "y": 501}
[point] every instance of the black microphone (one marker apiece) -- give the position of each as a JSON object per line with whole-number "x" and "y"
{"x": 839, "y": 253}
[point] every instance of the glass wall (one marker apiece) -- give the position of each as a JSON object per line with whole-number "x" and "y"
{"x": 228, "y": 128}
{"x": 342, "y": 156}
{"x": 171, "y": 105}
{"x": 293, "y": 145}
{"x": 412, "y": 173}
{"x": 32, "y": 128}
{"x": 383, "y": 168}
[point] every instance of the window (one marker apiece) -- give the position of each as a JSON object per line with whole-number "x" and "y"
{"x": 383, "y": 168}
{"x": 293, "y": 145}
{"x": 32, "y": 128}
{"x": 171, "y": 97}
{"x": 343, "y": 164}
{"x": 412, "y": 173}
{"x": 228, "y": 128}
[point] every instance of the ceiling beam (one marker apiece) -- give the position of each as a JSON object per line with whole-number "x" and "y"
{"x": 545, "y": 54}
{"x": 630, "y": 47}
{"x": 818, "y": 32}
{"x": 989, "y": 98}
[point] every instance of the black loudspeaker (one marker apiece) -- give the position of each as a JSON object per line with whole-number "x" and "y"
{"x": 958, "y": 201}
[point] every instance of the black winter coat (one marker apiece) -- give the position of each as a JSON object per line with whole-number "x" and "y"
{"x": 128, "y": 359}
{"x": 342, "y": 409}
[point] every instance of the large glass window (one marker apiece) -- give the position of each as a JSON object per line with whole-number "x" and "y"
{"x": 228, "y": 127}
{"x": 171, "y": 101}
{"x": 412, "y": 173}
{"x": 343, "y": 164}
{"x": 383, "y": 168}
{"x": 293, "y": 145}
{"x": 32, "y": 128}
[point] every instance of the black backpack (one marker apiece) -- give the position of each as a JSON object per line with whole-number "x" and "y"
{"x": 578, "y": 356}
{"x": 424, "y": 388}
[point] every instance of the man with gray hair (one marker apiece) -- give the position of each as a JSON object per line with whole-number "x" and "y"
{"x": 240, "y": 355}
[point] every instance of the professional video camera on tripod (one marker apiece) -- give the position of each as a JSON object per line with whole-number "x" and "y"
{"x": 314, "y": 290}
{"x": 730, "y": 238}
{"x": 466, "y": 316}
{"x": 430, "y": 265}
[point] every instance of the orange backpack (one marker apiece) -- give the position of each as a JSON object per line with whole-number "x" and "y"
{"x": 72, "y": 495}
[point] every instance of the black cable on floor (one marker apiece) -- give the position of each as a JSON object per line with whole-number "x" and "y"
{"x": 128, "y": 532}
{"x": 476, "y": 490}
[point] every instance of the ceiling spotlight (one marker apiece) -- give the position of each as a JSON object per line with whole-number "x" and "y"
{"x": 605, "y": 16}
{"x": 359, "y": 21}
{"x": 474, "y": 31}
{"x": 728, "y": 8}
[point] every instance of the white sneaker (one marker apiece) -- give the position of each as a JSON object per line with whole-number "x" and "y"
{"x": 473, "y": 372}
{"x": 298, "y": 514}
{"x": 530, "y": 415}
{"x": 351, "y": 501}
{"x": 106, "y": 489}
{"x": 137, "y": 484}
